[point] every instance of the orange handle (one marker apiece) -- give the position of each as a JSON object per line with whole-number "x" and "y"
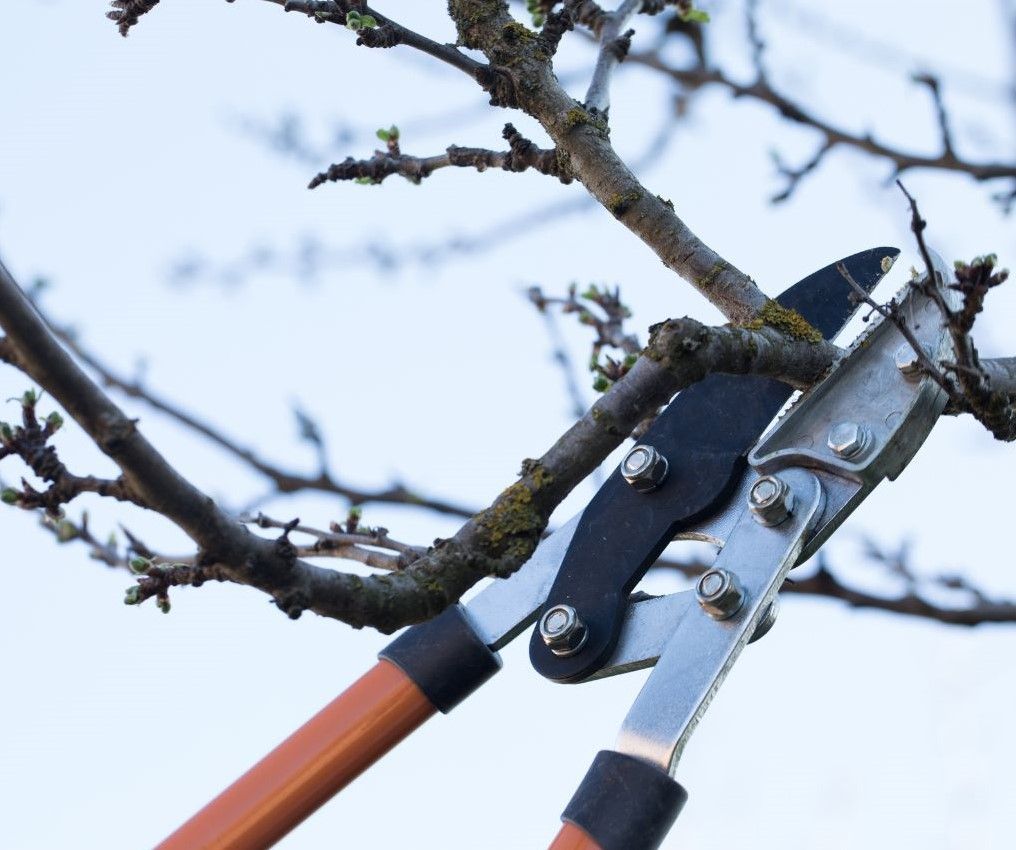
{"x": 312, "y": 765}
{"x": 572, "y": 838}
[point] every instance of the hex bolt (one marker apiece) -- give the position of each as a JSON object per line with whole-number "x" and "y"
{"x": 719, "y": 593}
{"x": 644, "y": 468}
{"x": 770, "y": 500}
{"x": 908, "y": 361}
{"x": 848, "y": 440}
{"x": 562, "y": 630}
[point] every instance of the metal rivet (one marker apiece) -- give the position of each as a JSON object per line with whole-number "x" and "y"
{"x": 562, "y": 630}
{"x": 719, "y": 593}
{"x": 770, "y": 500}
{"x": 848, "y": 439}
{"x": 644, "y": 468}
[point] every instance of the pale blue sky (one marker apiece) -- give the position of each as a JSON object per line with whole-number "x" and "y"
{"x": 119, "y": 157}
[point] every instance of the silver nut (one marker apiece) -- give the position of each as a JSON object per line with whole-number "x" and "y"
{"x": 770, "y": 500}
{"x": 908, "y": 361}
{"x": 719, "y": 593}
{"x": 644, "y": 468}
{"x": 848, "y": 439}
{"x": 562, "y": 630}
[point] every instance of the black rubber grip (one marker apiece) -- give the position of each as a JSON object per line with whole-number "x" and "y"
{"x": 444, "y": 657}
{"x": 625, "y": 804}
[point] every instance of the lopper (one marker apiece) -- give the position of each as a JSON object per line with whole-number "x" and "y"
{"x": 701, "y": 472}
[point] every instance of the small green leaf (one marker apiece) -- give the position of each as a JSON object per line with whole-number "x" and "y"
{"x": 55, "y": 421}
{"x": 10, "y": 496}
{"x": 367, "y": 22}
{"x": 365, "y": 181}
{"x": 29, "y": 398}
{"x": 6, "y": 432}
{"x": 353, "y": 20}
{"x": 132, "y": 596}
{"x": 601, "y": 384}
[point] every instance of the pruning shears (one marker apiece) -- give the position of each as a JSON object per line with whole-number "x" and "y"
{"x": 707, "y": 470}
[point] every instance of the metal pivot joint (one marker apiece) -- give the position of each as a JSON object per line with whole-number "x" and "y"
{"x": 719, "y": 593}
{"x": 770, "y": 500}
{"x": 644, "y": 468}
{"x": 562, "y": 630}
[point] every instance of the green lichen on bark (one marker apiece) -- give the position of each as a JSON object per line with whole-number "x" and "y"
{"x": 620, "y": 202}
{"x": 513, "y": 524}
{"x": 710, "y": 276}
{"x": 470, "y": 18}
{"x": 785, "y": 320}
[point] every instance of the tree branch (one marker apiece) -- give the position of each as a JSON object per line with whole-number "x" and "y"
{"x": 283, "y": 481}
{"x": 698, "y": 76}
{"x": 615, "y": 41}
{"x": 497, "y": 541}
{"x": 581, "y": 136}
{"x": 522, "y": 155}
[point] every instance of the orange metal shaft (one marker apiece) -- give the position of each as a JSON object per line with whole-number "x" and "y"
{"x": 334, "y": 747}
{"x": 572, "y": 838}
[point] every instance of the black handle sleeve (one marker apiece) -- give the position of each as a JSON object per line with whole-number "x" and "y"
{"x": 625, "y": 804}
{"x": 444, "y": 657}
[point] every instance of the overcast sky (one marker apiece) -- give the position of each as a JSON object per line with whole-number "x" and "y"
{"x": 123, "y": 161}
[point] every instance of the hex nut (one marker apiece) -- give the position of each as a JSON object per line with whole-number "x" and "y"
{"x": 562, "y": 630}
{"x": 848, "y": 440}
{"x": 770, "y": 500}
{"x": 644, "y": 468}
{"x": 719, "y": 593}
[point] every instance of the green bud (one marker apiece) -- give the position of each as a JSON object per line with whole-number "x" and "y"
{"x": 601, "y": 384}
{"x": 65, "y": 531}
{"x": 694, "y": 16}
{"x": 132, "y": 596}
{"x": 139, "y": 565}
{"x": 29, "y": 398}
{"x": 6, "y": 432}
{"x": 629, "y": 361}
{"x": 163, "y": 605}
{"x": 353, "y": 20}
{"x": 55, "y": 421}
{"x": 367, "y": 22}
{"x": 10, "y": 496}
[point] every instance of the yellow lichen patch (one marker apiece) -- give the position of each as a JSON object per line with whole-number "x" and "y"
{"x": 513, "y": 516}
{"x": 515, "y": 30}
{"x": 710, "y": 276}
{"x": 785, "y": 320}
{"x": 575, "y": 116}
{"x": 619, "y": 203}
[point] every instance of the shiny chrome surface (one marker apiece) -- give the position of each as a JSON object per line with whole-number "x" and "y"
{"x": 562, "y": 630}
{"x": 701, "y": 650}
{"x": 644, "y": 468}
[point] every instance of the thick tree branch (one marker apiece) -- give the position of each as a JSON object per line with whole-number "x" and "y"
{"x": 582, "y": 137}
{"x": 497, "y": 541}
